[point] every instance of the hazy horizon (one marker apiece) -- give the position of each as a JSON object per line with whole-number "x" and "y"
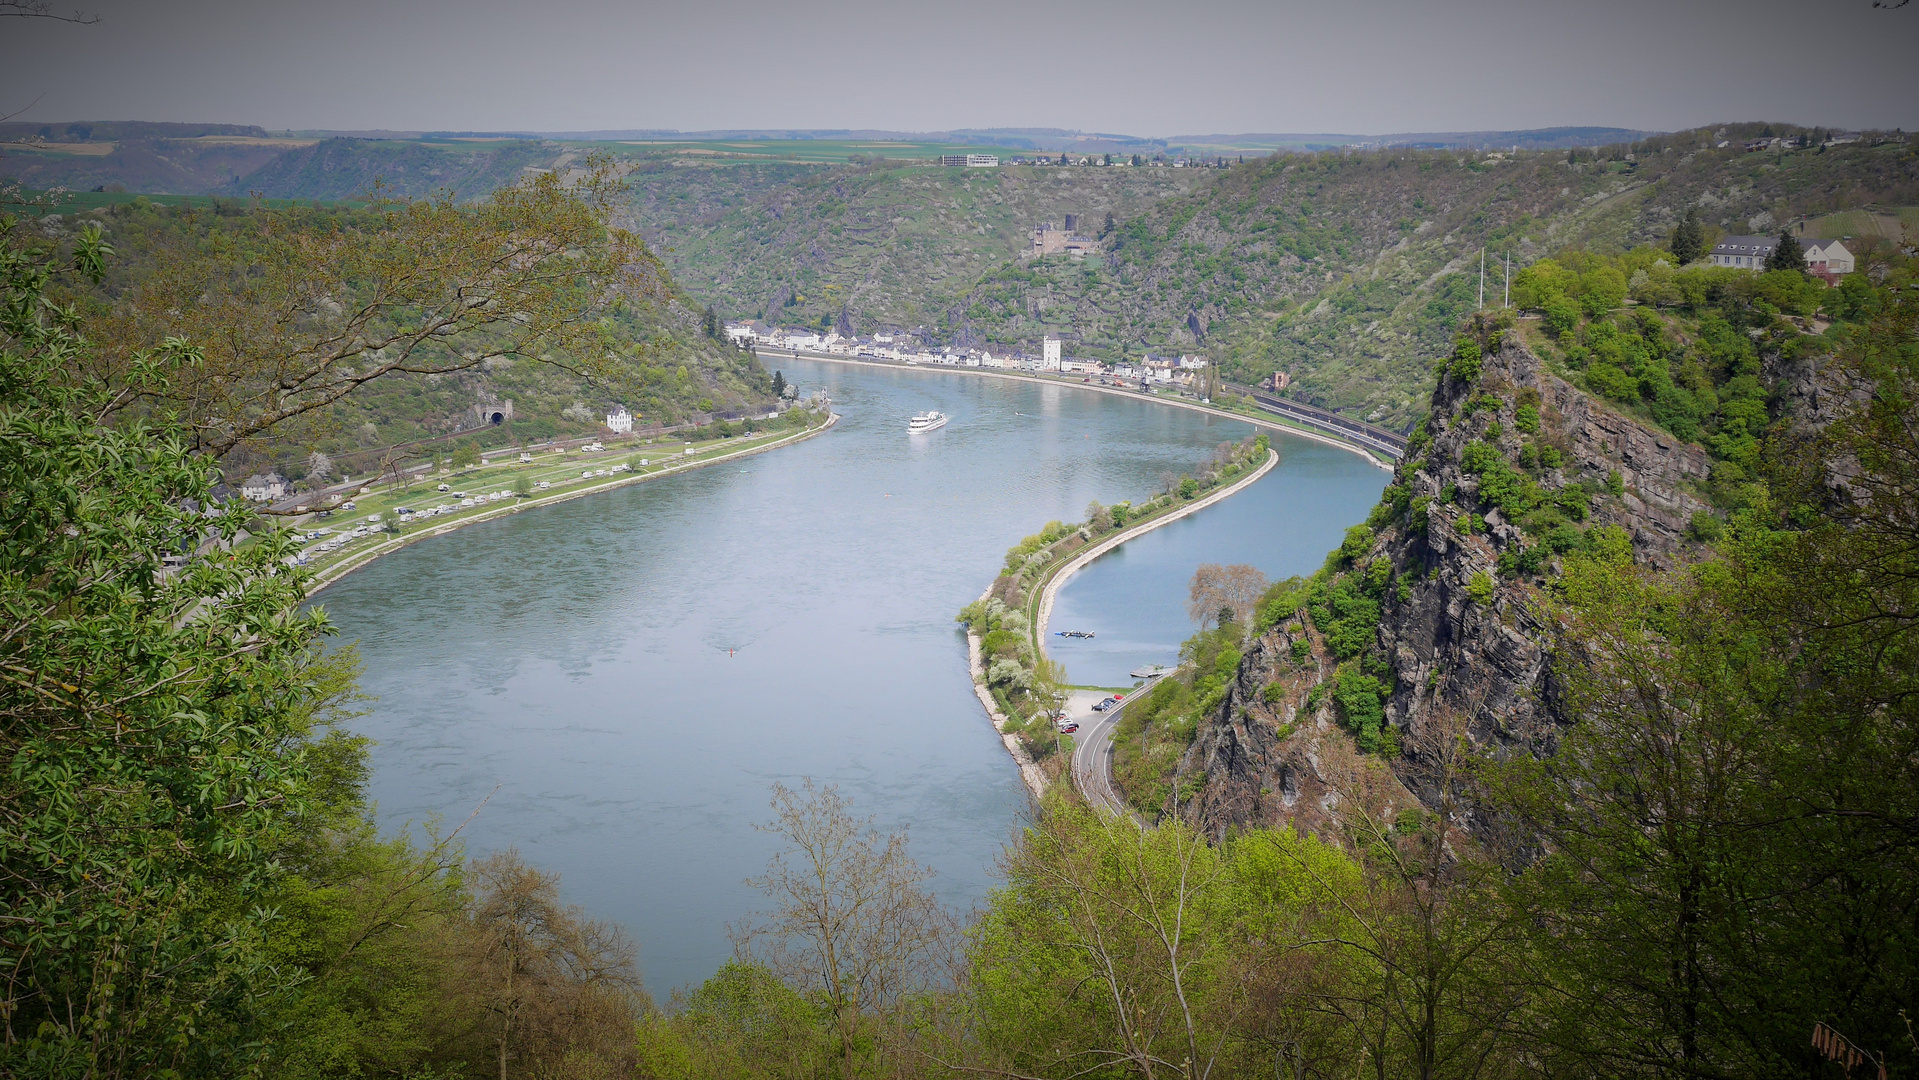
{"x": 1141, "y": 69}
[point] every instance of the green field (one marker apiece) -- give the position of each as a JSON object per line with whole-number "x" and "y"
{"x": 1890, "y": 222}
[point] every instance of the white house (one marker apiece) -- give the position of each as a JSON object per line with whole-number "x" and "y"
{"x": 1827, "y": 258}
{"x": 1049, "y": 354}
{"x": 987, "y": 359}
{"x": 265, "y": 487}
{"x": 741, "y": 332}
{"x": 619, "y": 421}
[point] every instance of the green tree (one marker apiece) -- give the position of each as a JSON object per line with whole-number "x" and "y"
{"x": 1733, "y": 819}
{"x": 1787, "y": 253}
{"x": 779, "y": 384}
{"x": 466, "y": 454}
{"x": 158, "y": 721}
{"x": 710, "y": 323}
{"x": 1688, "y": 242}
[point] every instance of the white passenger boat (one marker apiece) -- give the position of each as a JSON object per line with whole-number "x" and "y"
{"x": 926, "y": 421}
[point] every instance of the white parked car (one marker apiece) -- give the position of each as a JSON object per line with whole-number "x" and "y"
{"x": 526, "y": 459}
{"x": 544, "y": 484}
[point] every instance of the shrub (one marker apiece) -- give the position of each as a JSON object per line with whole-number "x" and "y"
{"x": 1705, "y": 526}
{"x": 1480, "y": 588}
{"x": 1526, "y": 419}
{"x": 1466, "y": 361}
{"x": 1359, "y": 540}
{"x": 1361, "y": 703}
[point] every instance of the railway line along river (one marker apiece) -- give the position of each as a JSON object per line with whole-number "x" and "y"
{"x": 632, "y": 671}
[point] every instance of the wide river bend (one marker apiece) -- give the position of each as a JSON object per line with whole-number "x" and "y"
{"x": 633, "y": 671}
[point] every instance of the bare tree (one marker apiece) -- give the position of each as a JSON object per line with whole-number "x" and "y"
{"x": 1216, "y": 589}
{"x": 552, "y": 982}
{"x": 42, "y": 9}
{"x": 1098, "y": 518}
{"x": 1432, "y": 992}
{"x": 851, "y": 917}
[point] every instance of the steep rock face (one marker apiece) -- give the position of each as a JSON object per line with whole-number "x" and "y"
{"x": 1453, "y": 662}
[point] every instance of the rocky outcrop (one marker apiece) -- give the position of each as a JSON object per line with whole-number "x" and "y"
{"x": 1460, "y": 644}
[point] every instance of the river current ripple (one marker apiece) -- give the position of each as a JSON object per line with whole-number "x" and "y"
{"x": 628, "y": 674}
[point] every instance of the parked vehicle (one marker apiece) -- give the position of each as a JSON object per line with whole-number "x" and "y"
{"x": 1066, "y": 725}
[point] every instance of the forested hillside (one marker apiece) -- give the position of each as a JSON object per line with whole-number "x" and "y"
{"x": 408, "y": 371}
{"x": 1344, "y": 270}
{"x": 868, "y": 247}
{"x": 335, "y": 169}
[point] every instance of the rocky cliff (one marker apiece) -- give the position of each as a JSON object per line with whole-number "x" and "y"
{"x": 1425, "y": 624}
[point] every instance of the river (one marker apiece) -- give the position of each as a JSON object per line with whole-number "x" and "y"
{"x": 626, "y": 675}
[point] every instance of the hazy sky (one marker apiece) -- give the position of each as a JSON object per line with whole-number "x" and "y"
{"x": 1128, "y": 66}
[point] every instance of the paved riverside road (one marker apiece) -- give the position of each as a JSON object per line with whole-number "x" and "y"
{"x": 1093, "y": 749}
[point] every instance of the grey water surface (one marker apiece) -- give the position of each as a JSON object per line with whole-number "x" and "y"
{"x": 628, "y": 674}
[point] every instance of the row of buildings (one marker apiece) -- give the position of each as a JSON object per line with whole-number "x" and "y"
{"x": 1052, "y": 359}
{"x": 1827, "y": 259}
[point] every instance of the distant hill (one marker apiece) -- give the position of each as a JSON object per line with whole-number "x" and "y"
{"x": 110, "y": 130}
{"x": 1346, "y": 270}
{"x": 341, "y": 168}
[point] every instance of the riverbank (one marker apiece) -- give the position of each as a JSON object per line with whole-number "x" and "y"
{"x": 1275, "y": 423}
{"x": 1080, "y": 561}
{"x": 1002, "y": 608}
{"x": 334, "y": 572}
{"x": 1030, "y": 772}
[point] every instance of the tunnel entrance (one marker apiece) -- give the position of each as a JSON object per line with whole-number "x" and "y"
{"x": 497, "y": 418}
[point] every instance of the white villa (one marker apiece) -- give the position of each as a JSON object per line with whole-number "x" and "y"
{"x": 619, "y": 421}
{"x": 265, "y": 487}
